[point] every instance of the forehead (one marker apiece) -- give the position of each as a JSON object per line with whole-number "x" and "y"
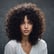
{"x": 26, "y": 18}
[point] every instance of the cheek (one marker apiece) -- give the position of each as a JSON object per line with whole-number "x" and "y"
{"x": 21, "y": 27}
{"x": 30, "y": 27}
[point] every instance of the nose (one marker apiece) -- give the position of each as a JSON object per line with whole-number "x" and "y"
{"x": 26, "y": 26}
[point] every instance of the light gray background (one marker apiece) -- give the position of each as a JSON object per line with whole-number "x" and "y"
{"x": 47, "y": 7}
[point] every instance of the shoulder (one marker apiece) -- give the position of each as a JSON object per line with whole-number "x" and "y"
{"x": 41, "y": 44}
{"x": 10, "y": 47}
{"x": 11, "y": 43}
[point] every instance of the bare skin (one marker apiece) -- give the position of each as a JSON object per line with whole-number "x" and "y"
{"x": 26, "y": 45}
{"x": 26, "y": 28}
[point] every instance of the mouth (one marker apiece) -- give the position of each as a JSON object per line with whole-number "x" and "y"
{"x": 26, "y": 31}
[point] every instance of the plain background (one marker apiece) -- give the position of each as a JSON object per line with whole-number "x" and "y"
{"x": 47, "y": 6}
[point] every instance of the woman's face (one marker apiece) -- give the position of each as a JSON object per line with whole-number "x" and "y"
{"x": 26, "y": 27}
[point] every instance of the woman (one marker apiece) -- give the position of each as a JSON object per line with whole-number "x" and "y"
{"x": 25, "y": 25}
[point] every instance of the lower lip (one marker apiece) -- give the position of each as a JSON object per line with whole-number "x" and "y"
{"x": 26, "y": 31}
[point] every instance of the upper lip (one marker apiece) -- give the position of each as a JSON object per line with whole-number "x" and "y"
{"x": 26, "y": 30}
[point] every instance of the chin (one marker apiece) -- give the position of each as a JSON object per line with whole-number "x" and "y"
{"x": 26, "y": 34}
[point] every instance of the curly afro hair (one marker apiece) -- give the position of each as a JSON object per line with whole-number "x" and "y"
{"x": 16, "y": 15}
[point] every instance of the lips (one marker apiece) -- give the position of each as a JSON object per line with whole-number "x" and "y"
{"x": 26, "y": 31}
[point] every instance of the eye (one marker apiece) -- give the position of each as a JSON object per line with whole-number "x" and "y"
{"x": 30, "y": 22}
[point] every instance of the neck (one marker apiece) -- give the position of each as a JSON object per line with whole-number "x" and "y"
{"x": 24, "y": 39}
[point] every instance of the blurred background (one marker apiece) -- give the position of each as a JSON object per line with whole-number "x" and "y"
{"x": 47, "y": 6}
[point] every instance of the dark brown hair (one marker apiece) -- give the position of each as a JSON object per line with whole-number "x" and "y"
{"x": 16, "y": 15}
